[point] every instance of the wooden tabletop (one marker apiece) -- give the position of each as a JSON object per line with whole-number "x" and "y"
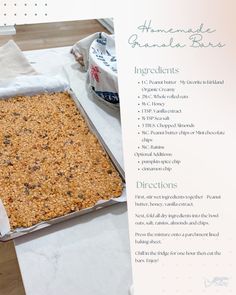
{"x": 51, "y": 35}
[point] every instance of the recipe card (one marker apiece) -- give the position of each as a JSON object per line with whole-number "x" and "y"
{"x": 177, "y": 71}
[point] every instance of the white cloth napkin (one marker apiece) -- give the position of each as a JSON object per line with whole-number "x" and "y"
{"x": 4, "y": 221}
{"x": 13, "y": 63}
{"x": 96, "y": 53}
{"x": 81, "y": 50}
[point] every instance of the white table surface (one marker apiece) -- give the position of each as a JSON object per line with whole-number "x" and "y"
{"x": 88, "y": 255}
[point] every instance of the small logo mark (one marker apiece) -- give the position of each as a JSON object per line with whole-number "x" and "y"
{"x": 216, "y": 282}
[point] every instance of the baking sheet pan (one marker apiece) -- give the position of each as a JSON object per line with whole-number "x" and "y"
{"x": 12, "y": 234}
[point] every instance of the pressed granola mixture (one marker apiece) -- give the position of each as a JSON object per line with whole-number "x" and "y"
{"x": 50, "y": 163}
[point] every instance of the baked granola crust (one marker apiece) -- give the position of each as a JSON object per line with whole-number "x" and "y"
{"x": 50, "y": 162}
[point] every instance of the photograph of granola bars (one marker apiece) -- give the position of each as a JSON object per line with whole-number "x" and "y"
{"x": 51, "y": 163}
